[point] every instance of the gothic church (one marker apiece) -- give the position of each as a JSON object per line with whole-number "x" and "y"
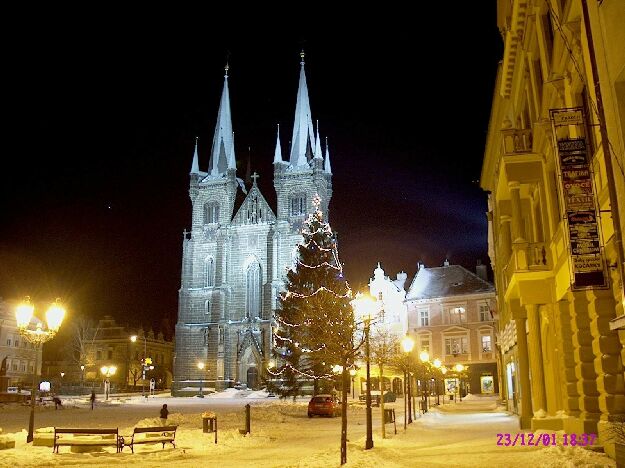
{"x": 235, "y": 258}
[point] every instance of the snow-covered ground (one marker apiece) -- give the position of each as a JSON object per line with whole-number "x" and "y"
{"x": 454, "y": 434}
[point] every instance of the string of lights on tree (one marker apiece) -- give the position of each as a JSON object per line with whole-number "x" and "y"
{"x": 315, "y": 319}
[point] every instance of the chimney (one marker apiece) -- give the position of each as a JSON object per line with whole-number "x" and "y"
{"x": 400, "y": 282}
{"x": 446, "y": 262}
{"x": 481, "y": 271}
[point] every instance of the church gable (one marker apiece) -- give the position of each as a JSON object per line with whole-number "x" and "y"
{"x": 254, "y": 210}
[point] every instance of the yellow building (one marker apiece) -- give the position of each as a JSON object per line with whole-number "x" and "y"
{"x": 556, "y": 190}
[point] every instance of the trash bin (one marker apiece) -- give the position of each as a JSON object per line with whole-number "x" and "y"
{"x": 209, "y": 422}
{"x": 389, "y": 415}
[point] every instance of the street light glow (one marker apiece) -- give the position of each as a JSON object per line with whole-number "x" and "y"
{"x": 133, "y": 338}
{"x": 437, "y": 363}
{"x": 424, "y": 356}
{"x": 200, "y": 365}
{"x": 24, "y": 313}
{"x": 407, "y": 344}
{"x": 459, "y": 367}
{"x": 55, "y": 315}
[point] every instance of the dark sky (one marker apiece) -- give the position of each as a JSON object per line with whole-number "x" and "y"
{"x": 103, "y": 113}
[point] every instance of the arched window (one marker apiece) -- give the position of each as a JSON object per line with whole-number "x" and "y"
{"x": 207, "y": 307}
{"x": 253, "y": 296}
{"x": 209, "y": 272}
{"x": 297, "y": 204}
{"x": 211, "y": 213}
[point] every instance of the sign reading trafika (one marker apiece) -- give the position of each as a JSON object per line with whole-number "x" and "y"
{"x": 587, "y": 263}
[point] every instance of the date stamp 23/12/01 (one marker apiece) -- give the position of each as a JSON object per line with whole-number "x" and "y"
{"x": 545, "y": 440}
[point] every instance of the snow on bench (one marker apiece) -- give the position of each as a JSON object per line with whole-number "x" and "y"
{"x": 152, "y": 435}
{"x": 86, "y": 437}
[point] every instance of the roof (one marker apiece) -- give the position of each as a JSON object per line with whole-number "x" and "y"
{"x": 446, "y": 281}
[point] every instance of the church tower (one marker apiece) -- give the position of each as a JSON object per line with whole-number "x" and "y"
{"x": 236, "y": 256}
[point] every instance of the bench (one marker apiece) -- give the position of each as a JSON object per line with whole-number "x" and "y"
{"x": 65, "y": 436}
{"x": 151, "y": 435}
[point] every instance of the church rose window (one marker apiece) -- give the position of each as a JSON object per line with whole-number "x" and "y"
{"x": 211, "y": 213}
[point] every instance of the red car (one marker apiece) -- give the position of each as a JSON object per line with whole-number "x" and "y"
{"x": 324, "y": 405}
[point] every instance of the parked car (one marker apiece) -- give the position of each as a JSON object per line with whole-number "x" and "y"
{"x": 389, "y": 397}
{"x": 324, "y": 405}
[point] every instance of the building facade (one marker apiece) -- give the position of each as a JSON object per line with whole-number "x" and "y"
{"x": 110, "y": 344}
{"x": 553, "y": 168}
{"x": 17, "y": 355}
{"x": 237, "y": 252}
{"x": 451, "y": 315}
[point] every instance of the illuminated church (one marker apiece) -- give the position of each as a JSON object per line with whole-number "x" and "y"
{"x": 235, "y": 257}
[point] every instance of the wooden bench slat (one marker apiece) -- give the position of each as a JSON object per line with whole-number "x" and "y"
{"x": 166, "y": 434}
{"x": 60, "y": 440}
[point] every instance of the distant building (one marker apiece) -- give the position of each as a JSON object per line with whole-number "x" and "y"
{"x": 112, "y": 346}
{"x": 450, "y": 315}
{"x": 18, "y": 352}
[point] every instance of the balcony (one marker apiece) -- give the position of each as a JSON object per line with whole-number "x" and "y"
{"x": 516, "y": 141}
{"x": 528, "y": 263}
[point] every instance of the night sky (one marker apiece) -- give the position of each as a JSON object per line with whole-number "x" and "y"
{"x": 104, "y": 112}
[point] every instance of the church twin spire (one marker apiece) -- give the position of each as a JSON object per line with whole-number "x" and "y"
{"x": 222, "y": 153}
{"x": 304, "y": 147}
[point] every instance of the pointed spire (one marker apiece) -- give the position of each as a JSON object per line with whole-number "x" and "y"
{"x": 318, "y": 144}
{"x": 222, "y": 153}
{"x": 303, "y": 134}
{"x": 195, "y": 165}
{"x": 277, "y": 157}
{"x": 328, "y": 168}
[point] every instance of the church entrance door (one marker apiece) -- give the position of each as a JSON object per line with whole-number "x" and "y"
{"x": 252, "y": 377}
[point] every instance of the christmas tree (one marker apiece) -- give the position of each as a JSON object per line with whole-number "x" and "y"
{"x": 315, "y": 323}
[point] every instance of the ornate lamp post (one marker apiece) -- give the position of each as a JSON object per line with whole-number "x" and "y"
{"x": 107, "y": 371}
{"x": 407, "y": 345}
{"x": 82, "y": 377}
{"x": 54, "y": 317}
{"x": 444, "y": 371}
{"x": 365, "y": 307}
{"x": 353, "y": 372}
{"x": 425, "y": 358}
{"x": 200, "y": 366}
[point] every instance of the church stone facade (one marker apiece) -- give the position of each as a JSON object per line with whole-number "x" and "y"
{"x": 236, "y": 255}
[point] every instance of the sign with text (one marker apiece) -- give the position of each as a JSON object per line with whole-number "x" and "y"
{"x": 587, "y": 264}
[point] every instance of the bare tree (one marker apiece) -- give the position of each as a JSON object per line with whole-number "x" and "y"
{"x": 83, "y": 335}
{"x": 384, "y": 350}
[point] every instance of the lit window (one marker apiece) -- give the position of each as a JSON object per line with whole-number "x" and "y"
{"x": 486, "y": 344}
{"x": 297, "y": 205}
{"x": 485, "y": 313}
{"x": 211, "y": 213}
{"x": 456, "y": 345}
{"x": 457, "y": 315}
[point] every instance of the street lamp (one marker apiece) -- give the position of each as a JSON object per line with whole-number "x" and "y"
{"x": 107, "y": 371}
{"x": 444, "y": 371}
{"x": 425, "y": 358}
{"x": 144, "y": 361}
{"x": 365, "y": 306}
{"x": 437, "y": 364}
{"x": 200, "y": 365}
{"x": 459, "y": 368}
{"x": 407, "y": 345}
{"x": 353, "y": 372}
{"x": 54, "y": 317}
{"x": 82, "y": 377}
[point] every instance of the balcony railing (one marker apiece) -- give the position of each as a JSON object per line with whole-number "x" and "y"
{"x": 517, "y": 141}
{"x": 528, "y": 256}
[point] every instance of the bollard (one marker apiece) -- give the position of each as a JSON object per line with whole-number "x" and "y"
{"x": 247, "y": 419}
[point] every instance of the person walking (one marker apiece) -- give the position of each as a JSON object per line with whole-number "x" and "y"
{"x": 57, "y": 402}
{"x": 92, "y": 398}
{"x": 164, "y": 413}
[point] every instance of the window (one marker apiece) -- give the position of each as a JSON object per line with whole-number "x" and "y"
{"x": 221, "y": 335}
{"x": 207, "y": 307}
{"x": 424, "y": 317}
{"x": 31, "y": 368}
{"x": 209, "y": 272}
{"x": 8, "y": 341}
{"x": 110, "y": 354}
{"x": 98, "y": 355}
{"x": 23, "y": 367}
{"x": 211, "y": 213}
{"x": 457, "y": 315}
{"x": 15, "y": 366}
{"x": 485, "y": 313}
{"x": 424, "y": 344}
{"x": 486, "y": 344}
{"x": 297, "y": 205}
{"x": 252, "y": 303}
{"x": 16, "y": 343}
{"x": 456, "y": 345}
